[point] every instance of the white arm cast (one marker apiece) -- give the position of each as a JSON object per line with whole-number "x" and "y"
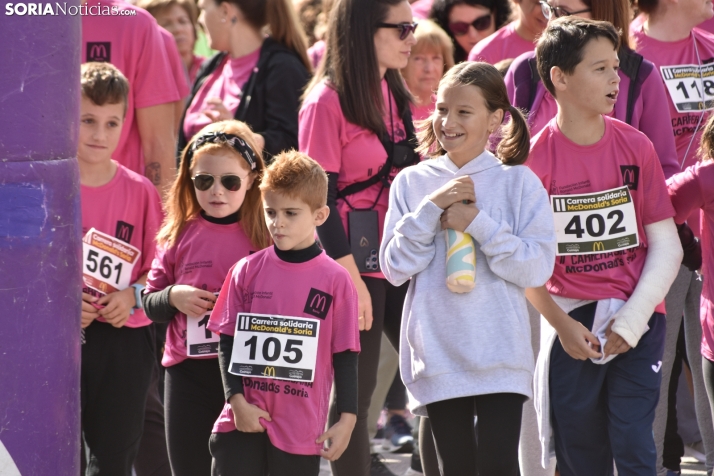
{"x": 664, "y": 256}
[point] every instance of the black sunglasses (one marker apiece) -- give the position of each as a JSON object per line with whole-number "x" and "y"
{"x": 550, "y": 11}
{"x": 204, "y": 182}
{"x": 404, "y": 28}
{"x": 460, "y": 28}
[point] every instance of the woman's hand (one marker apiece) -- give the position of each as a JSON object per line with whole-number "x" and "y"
{"x": 455, "y": 191}
{"x": 191, "y": 301}
{"x": 459, "y": 216}
{"x": 217, "y": 111}
{"x": 363, "y": 296}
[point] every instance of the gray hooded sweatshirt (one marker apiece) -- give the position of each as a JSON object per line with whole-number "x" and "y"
{"x": 458, "y": 345}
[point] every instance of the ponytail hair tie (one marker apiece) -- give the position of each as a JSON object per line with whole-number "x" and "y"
{"x": 238, "y": 144}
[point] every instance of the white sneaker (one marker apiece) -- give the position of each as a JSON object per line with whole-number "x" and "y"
{"x": 696, "y": 451}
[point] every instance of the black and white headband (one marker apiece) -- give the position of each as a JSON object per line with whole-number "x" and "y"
{"x": 238, "y": 144}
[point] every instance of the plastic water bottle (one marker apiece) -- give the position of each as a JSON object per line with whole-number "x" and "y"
{"x": 460, "y": 261}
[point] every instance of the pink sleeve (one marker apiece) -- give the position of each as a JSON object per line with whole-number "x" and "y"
{"x": 161, "y": 275}
{"x": 152, "y": 223}
{"x": 319, "y": 135}
{"x": 345, "y": 325}
{"x": 229, "y": 302}
{"x": 154, "y": 83}
{"x": 175, "y": 63}
{"x": 655, "y": 122}
{"x": 657, "y": 206}
{"x": 686, "y": 192}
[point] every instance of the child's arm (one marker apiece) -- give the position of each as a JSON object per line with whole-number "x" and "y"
{"x": 345, "y": 365}
{"x": 685, "y": 191}
{"x": 119, "y": 306}
{"x": 162, "y": 306}
{"x": 89, "y": 312}
{"x": 664, "y": 255}
{"x": 524, "y": 256}
{"x": 575, "y": 338}
{"x": 408, "y": 243}
{"x": 246, "y": 416}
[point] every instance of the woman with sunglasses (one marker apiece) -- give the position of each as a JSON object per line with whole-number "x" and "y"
{"x": 469, "y": 21}
{"x": 214, "y": 218}
{"x": 514, "y": 39}
{"x": 355, "y": 121}
{"x": 671, "y": 39}
{"x": 255, "y": 78}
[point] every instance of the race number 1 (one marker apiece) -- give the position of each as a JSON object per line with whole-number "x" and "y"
{"x": 267, "y": 346}
{"x": 107, "y": 262}
{"x": 690, "y": 86}
{"x": 200, "y": 342}
{"x": 595, "y": 222}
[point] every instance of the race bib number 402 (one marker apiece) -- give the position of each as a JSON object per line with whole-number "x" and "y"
{"x": 281, "y": 347}
{"x": 595, "y": 222}
{"x": 690, "y": 86}
{"x": 107, "y": 262}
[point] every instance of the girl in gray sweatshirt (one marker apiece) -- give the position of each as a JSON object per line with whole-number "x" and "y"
{"x": 469, "y": 354}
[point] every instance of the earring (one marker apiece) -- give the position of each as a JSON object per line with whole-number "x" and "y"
{"x": 234, "y": 20}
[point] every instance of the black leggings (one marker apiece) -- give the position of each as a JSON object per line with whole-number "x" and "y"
{"x": 193, "y": 400}
{"x": 708, "y": 371}
{"x": 252, "y": 454}
{"x": 499, "y": 429}
{"x": 387, "y": 303}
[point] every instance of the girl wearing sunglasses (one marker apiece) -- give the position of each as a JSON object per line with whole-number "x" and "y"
{"x": 355, "y": 122}
{"x": 469, "y": 21}
{"x": 214, "y": 218}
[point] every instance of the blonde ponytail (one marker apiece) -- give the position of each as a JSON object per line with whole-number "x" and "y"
{"x": 285, "y": 28}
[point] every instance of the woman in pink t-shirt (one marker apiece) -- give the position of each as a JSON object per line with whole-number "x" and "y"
{"x": 180, "y": 18}
{"x": 255, "y": 78}
{"x": 355, "y": 122}
{"x": 469, "y": 21}
{"x": 670, "y": 38}
{"x": 431, "y": 57}
{"x": 514, "y": 39}
{"x": 693, "y": 191}
{"x": 214, "y": 219}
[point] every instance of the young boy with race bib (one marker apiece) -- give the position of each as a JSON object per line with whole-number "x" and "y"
{"x": 287, "y": 318}
{"x": 597, "y": 384}
{"x": 466, "y": 349}
{"x": 121, "y": 213}
{"x": 214, "y": 218}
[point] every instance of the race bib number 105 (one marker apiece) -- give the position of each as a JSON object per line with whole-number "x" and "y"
{"x": 267, "y": 346}
{"x": 690, "y": 86}
{"x": 595, "y": 222}
{"x": 107, "y": 262}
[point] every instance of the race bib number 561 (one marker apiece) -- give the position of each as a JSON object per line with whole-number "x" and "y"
{"x": 267, "y": 346}
{"x": 595, "y": 222}
{"x": 107, "y": 262}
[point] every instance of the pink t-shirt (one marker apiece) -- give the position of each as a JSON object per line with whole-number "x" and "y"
{"x": 693, "y": 191}
{"x": 352, "y": 152}
{"x": 421, "y": 9}
{"x": 676, "y": 53}
{"x": 133, "y": 44}
{"x": 226, "y": 83}
{"x": 202, "y": 257}
{"x": 316, "y": 52}
{"x": 177, "y": 67}
{"x": 423, "y": 111}
{"x": 319, "y": 288}
{"x": 128, "y": 208}
{"x": 505, "y": 43}
{"x": 566, "y": 168}
{"x": 196, "y": 63}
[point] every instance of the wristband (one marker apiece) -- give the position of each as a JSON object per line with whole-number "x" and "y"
{"x": 138, "y": 289}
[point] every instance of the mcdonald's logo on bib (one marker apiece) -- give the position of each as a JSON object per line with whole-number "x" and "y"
{"x": 598, "y": 246}
{"x": 269, "y": 372}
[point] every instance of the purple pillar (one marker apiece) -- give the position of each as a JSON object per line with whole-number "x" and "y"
{"x": 40, "y": 252}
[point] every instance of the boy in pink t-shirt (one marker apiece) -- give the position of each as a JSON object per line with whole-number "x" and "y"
{"x": 618, "y": 253}
{"x": 287, "y": 318}
{"x": 121, "y": 213}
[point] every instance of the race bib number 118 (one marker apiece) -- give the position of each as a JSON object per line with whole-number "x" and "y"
{"x": 690, "y": 86}
{"x": 599, "y": 222}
